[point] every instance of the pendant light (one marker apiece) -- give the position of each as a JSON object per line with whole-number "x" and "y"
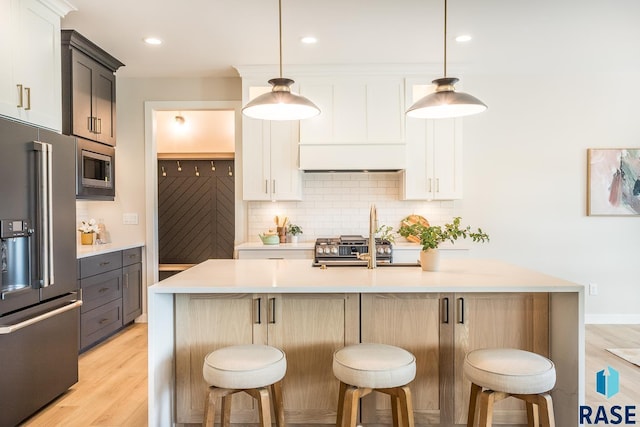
{"x": 445, "y": 102}
{"x": 280, "y": 103}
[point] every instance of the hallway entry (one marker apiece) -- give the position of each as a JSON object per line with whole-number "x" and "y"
{"x": 195, "y": 212}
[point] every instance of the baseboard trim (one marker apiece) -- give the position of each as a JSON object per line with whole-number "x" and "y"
{"x": 612, "y": 319}
{"x": 142, "y": 318}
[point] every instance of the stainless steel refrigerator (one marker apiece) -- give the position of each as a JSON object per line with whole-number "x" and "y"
{"x": 39, "y": 304}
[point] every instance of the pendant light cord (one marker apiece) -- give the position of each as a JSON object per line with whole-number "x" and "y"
{"x": 280, "y": 32}
{"x": 445, "y": 38}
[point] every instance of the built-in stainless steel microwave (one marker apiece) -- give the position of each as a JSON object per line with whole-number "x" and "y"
{"x": 95, "y": 170}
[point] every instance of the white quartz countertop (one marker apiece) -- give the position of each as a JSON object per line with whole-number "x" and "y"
{"x": 402, "y": 246}
{"x": 298, "y": 276}
{"x": 256, "y": 246}
{"x": 84, "y": 251}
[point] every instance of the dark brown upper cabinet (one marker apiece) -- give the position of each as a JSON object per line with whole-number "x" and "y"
{"x": 88, "y": 89}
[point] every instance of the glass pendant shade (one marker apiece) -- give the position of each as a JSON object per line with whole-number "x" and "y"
{"x": 445, "y": 102}
{"x": 280, "y": 104}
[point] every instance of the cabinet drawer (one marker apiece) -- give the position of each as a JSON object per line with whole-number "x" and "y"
{"x": 98, "y": 323}
{"x": 131, "y": 256}
{"x": 101, "y": 289}
{"x": 97, "y": 264}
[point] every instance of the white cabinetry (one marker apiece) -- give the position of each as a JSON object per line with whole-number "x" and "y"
{"x": 434, "y": 156}
{"x": 30, "y": 79}
{"x": 270, "y": 160}
{"x": 434, "y": 160}
{"x": 361, "y": 125}
{"x": 354, "y": 111}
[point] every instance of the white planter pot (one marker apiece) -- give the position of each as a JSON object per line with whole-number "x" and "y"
{"x": 293, "y": 239}
{"x": 430, "y": 260}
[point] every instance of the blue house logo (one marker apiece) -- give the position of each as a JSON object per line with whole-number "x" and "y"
{"x": 608, "y": 382}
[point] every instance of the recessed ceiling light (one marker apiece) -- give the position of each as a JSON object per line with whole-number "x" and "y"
{"x": 309, "y": 40}
{"x": 153, "y": 41}
{"x": 463, "y": 38}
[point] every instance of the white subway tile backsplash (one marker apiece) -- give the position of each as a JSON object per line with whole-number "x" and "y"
{"x": 339, "y": 203}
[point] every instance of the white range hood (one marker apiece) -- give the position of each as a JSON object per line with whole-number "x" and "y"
{"x": 352, "y": 157}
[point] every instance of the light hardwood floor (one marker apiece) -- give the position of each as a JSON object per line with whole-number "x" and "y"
{"x": 112, "y": 390}
{"x": 600, "y": 337}
{"x": 112, "y": 386}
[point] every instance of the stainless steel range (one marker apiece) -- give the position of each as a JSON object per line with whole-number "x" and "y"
{"x": 344, "y": 250}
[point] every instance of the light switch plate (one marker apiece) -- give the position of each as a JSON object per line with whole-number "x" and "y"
{"x": 130, "y": 218}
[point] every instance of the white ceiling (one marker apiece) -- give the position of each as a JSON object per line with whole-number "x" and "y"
{"x": 206, "y": 38}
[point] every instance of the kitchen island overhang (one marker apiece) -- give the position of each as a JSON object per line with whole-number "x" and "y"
{"x": 566, "y": 309}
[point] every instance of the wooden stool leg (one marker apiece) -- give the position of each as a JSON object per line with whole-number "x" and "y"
{"x": 473, "y": 400}
{"x": 406, "y": 406}
{"x": 225, "y": 421}
{"x": 351, "y": 399}
{"x": 485, "y": 401}
{"x": 545, "y": 410}
{"x": 343, "y": 388}
{"x": 544, "y": 406}
{"x": 209, "y": 409}
{"x": 395, "y": 411}
{"x": 401, "y": 404}
{"x": 264, "y": 408}
{"x": 210, "y": 404}
{"x": 532, "y": 415}
{"x": 278, "y": 403}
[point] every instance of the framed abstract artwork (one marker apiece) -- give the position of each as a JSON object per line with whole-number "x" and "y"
{"x": 613, "y": 181}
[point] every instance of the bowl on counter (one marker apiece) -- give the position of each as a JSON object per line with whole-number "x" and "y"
{"x": 269, "y": 239}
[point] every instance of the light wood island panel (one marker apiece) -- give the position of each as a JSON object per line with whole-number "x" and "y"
{"x": 309, "y": 328}
{"x": 489, "y": 304}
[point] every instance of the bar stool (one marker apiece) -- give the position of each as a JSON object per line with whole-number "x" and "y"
{"x": 363, "y": 368}
{"x": 253, "y": 369}
{"x": 498, "y": 373}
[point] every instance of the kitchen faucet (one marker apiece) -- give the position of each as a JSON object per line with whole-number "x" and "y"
{"x": 373, "y": 226}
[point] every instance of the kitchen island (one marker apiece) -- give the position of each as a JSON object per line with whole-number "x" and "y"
{"x": 310, "y": 312}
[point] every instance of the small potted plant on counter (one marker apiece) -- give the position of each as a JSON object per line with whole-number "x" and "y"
{"x": 385, "y": 232}
{"x": 430, "y": 237}
{"x": 87, "y": 230}
{"x": 294, "y": 231}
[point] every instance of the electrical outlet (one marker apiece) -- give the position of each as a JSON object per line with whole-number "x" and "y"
{"x": 593, "y": 289}
{"x": 130, "y": 218}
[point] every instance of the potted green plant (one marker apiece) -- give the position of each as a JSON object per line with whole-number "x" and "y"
{"x": 294, "y": 230}
{"x": 430, "y": 237}
{"x": 385, "y": 232}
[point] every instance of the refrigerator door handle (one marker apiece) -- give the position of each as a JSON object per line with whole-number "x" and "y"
{"x": 5, "y": 294}
{"x": 12, "y": 328}
{"x": 44, "y": 207}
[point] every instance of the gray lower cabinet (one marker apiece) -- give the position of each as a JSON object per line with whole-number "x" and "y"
{"x": 131, "y": 285}
{"x": 111, "y": 286}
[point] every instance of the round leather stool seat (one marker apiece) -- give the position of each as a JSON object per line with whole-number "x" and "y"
{"x": 510, "y": 370}
{"x": 374, "y": 366}
{"x": 244, "y": 366}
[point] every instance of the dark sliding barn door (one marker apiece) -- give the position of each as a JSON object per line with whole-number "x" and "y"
{"x": 195, "y": 210}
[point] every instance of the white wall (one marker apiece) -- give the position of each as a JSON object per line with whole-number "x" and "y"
{"x": 524, "y": 177}
{"x": 526, "y": 180}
